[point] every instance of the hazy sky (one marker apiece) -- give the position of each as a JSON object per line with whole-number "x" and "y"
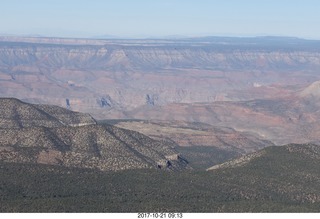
{"x": 158, "y": 18}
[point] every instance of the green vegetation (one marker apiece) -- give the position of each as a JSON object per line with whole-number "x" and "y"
{"x": 277, "y": 181}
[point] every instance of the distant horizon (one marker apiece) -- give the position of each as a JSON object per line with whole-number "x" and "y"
{"x": 161, "y": 19}
{"x": 170, "y": 37}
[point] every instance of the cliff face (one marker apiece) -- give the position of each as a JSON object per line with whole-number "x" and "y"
{"x": 147, "y": 58}
{"x": 107, "y": 78}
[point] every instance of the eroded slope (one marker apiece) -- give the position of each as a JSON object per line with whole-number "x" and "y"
{"x": 52, "y": 135}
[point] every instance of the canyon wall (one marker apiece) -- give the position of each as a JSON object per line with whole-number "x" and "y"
{"x": 109, "y": 77}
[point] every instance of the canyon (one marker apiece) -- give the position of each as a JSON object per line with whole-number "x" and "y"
{"x": 247, "y": 93}
{"x": 112, "y": 78}
{"x": 212, "y": 124}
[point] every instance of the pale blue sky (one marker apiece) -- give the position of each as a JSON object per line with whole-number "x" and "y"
{"x": 158, "y": 18}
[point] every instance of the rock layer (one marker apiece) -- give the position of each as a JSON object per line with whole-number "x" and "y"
{"x": 106, "y": 78}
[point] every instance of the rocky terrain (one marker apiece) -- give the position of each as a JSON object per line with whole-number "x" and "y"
{"x": 43, "y": 134}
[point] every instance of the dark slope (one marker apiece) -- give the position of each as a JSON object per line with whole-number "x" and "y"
{"x": 284, "y": 174}
{"x": 53, "y": 135}
{"x": 278, "y": 179}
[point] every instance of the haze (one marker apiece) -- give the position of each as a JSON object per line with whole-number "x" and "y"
{"x": 165, "y": 18}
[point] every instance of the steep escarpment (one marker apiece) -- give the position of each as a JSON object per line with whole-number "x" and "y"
{"x": 107, "y": 77}
{"x": 55, "y": 136}
{"x": 158, "y": 56}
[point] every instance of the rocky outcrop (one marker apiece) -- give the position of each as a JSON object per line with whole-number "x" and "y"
{"x": 104, "y": 102}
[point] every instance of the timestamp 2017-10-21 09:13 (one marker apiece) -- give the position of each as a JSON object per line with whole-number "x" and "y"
{"x": 160, "y": 215}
